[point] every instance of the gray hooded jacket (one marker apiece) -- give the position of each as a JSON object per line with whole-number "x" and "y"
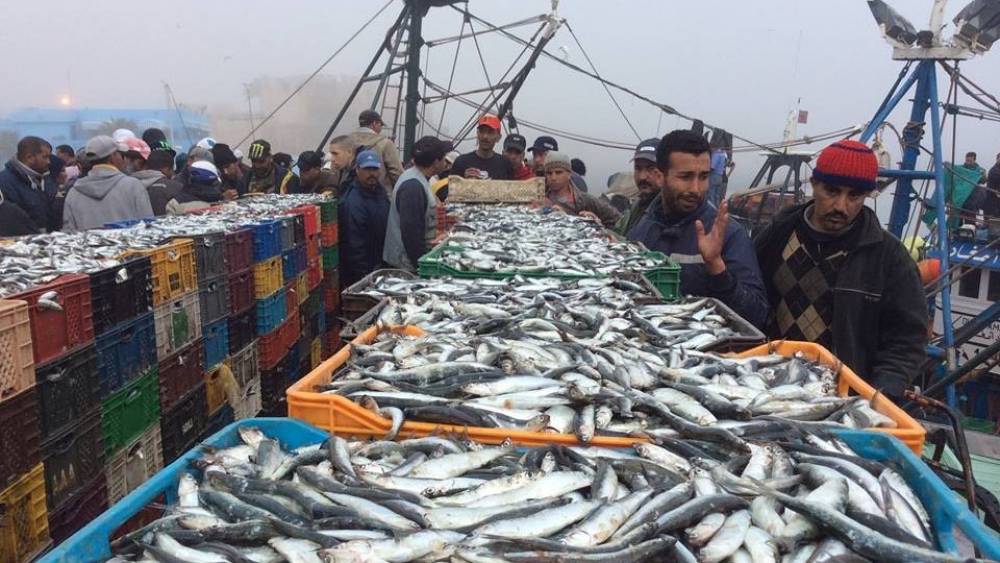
{"x": 104, "y": 196}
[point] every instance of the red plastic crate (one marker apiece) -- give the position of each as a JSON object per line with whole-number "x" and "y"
{"x": 272, "y": 347}
{"x": 310, "y": 215}
{"x": 291, "y": 297}
{"x": 241, "y": 292}
{"x": 239, "y": 250}
{"x": 331, "y": 291}
{"x": 330, "y": 234}
{"x": 312, "y": 248}
{"x": 58, "y": 330}
{"x": 314, "y": 273}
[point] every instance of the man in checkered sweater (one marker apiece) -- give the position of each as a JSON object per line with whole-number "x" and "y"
{"x": 836, "y": 278}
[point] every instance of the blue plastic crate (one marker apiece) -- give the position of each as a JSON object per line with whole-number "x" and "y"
{"x": 128, "y": 223}
{"x": 216, "y": 343}
{"x": 271, "y": 312}
{"x": 266, "y": 240}
{"x": 294, "y": 262}
{"x": 125, "y": 352}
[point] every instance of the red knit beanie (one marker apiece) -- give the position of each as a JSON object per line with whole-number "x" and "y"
{"x": 847, "y": 163}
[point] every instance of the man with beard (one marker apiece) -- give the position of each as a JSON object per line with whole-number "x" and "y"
{"x": 513, "y": 150}
{"x": 265, "y": 176}
{"x": 646, "y": 179}
{"x": 838, "y": 279}
{"x": 484, "y": 163}
{"x": 25, "y": 183}
{"x": 714, "y": 253}
{"x": 229, "y": 170}
{"x": 363, "y": 214}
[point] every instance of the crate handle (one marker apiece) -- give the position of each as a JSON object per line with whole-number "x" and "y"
{"x": 66, "y": 443}
{"x": 128, "y": 334}
{"x": 173, "y": 255}
{"x": 56, "y": 377}
{"x": 133, "y": 395}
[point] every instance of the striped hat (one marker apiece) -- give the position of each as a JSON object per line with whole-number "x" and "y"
{"x": 847, "y": 163}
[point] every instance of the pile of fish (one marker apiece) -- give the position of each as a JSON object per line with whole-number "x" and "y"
{"x": 518, "y": 239}
{"x": 809, "y": 498}
{"x": 34, "y": 260}
{"x": 536, "y": 374}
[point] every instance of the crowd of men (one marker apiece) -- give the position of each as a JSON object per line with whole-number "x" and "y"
{"x": 824, "y": 271}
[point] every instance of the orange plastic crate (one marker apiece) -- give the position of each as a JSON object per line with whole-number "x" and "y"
{"x": 907, "y": 430}
{"x": 17, "y": 361}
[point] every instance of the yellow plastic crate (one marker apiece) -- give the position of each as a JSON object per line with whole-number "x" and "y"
{"x": 24, "y": 521}
{"x": 220, "y": 388}
{"x": 175, "y": 269}
{"x": 302, "y": 287}
{"x": 267, "y": 277}
{"x": 316, "y": 352}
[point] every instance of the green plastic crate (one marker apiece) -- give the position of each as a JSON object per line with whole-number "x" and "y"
{"x": 129, "y": 412}
{"x": 328, "y": 210}
{"x": 313, "y": 304}
{"x": 331, "y": 257}
{"x": 665, "y": 278}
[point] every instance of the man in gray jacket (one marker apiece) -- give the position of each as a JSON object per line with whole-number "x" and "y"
{"x": 106, "y": 194}
{"x": 369, "y": 137}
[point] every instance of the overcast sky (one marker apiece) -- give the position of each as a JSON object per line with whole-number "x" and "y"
{"x": 739, "y": 64}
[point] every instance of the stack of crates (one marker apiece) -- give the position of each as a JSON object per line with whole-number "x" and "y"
{"x": 272, "y": 325}
{"x": 242, "y": 358}
{"x": 330, "y": 283}
{"x": 24, "y": 517}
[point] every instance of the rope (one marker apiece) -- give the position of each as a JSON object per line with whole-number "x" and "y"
{"x": 315, "y": 72}
{"x": 451, "y": 77}
{"x": 572, "y": 33}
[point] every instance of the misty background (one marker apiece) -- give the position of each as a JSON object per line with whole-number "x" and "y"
{"x": 742, "y": 66}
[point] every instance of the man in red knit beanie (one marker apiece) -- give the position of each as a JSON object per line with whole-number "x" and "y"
{"x": 836, "y": 278}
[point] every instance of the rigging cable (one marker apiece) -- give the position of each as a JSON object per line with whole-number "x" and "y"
{"x": 314, "y": 73}
{"x": 451, "y": 77}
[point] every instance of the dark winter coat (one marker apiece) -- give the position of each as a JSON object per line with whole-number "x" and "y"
{"x": 363, "y": 216}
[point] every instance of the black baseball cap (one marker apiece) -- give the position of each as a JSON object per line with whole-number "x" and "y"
{"x": 544, "y": 143}
{"x": 432, "y": 147}
{"x": 646, "y": 150}
{"x": 309, "y": 160}
{"x": 223, "y": 155}
{"x": 259, "y": 149}
{"x": 516, "y": 142}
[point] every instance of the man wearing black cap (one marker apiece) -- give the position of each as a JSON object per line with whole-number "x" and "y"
{"x": 539, "y": 151}
{"x": 369, "y": 137}
{"x": 647, "y": 180}
{"x": 163, "y": 187}
{"x": 312, "y": 178}
{"x": 229, "y": 170}
{"x": 264, "y": 177}
{"x": 483, "y": 163}
{"x": 412, "y": 223}
{"x": 513, "y": 150}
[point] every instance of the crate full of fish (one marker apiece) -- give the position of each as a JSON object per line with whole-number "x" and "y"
{"x": 535, "y": 392}
{"x": 121, "y": 292}
{"x": 61, "y": 316}
{"x": 175, "y": 269}
{"x": 17, "y": 371}
{"x": 315, "y": 497}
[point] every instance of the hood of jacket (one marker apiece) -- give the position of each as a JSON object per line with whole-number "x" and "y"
{"x": 366, "y": 137}
{"x": 148, "y": 177}
{"x": 99, "y": 182}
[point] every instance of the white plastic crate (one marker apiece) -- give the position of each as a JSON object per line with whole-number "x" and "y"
{"x": 134, "y": 464}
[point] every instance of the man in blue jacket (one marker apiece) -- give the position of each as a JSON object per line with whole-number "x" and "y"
{"x": 25, "y": 183}
{"x": 364, "y": 210}
{"x": 715, "y": 254}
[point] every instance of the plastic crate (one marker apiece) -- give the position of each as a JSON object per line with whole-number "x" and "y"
{"x": 178, "y": 323}
{"x": 273, "y": 347}
{"x": 181, "y": 426}
{"x": 213, "y": 298}
{"x": 180, "y": 373}
{"x": 330, "y": 234}
{"x": 328, "y": 210}
{"x": 134, "y": 464}
{"x": 78, "y": 511}
{"x": 129, "y": 412}
{"x": 271, "y": 312}
{"x": 301, "y": 289}
{"x": 244, "y": 365}
{"x": 122, "y": 292}
{"x": 299, "y": 228}
{"x": 356, "y": 304}
{"x": 312, "y": 247}
{"x": 249, "y": 400}
{"x": 907, "y": 430}
{"x": 312, "y": 306}
{"x": 239, "y": 250}
{"x": 218, "y": 420}
{"x": 241, "y": 292}
{"x": 68, "y": 388}
{"x": 268, "y": 277}
{"x": 19, "y": 435}
{"x": 56, "y": 331}
{"x": 72, "y": 459}
{"x": 210, "y": 255}
{"x": 216, "y": 343}
{"x": 331, "y": 290}
{"x": 220, "y": 387}
{"x": 125, "y": 353}
{"x": 266, "y": 240}
{"x": 314, "y": 273}
{"x": 316, "y": 352}
{"x": 17, "y": 361}
{"x": 331, "y": 257}
{"x": 310, "y": 218}
{"x": 299, "y": 259}
{"x": 332, "y": 341}
{"x": 175, "y": 269}
{"x": 746, "y": 335}
{"x": 287, "y": 230}
{"x": 273, "y": 384}
{"x": 24, "y": 520}
{"x": 242, "y": 330}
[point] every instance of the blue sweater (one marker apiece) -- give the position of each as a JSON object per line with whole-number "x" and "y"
{"x": 740, "y": 286}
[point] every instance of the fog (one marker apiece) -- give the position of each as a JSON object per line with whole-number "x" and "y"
{"x": 738, "y": 65}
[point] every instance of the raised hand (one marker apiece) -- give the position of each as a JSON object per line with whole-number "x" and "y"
{"x": 710, "y": 245}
